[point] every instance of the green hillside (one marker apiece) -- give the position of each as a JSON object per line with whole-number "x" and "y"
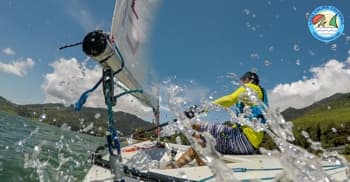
{"x": 61, "y": 116}
{"x": 326, "y": 121}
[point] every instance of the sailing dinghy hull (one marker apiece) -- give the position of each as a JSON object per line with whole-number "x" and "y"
{"x": 245, "y": 167}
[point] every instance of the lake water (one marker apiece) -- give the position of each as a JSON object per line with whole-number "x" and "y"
{"x": 35, "y": 151}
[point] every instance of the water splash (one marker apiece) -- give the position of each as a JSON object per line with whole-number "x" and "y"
{"x": 301, "y": 165}
{"x": 298, "y": 164}
{"x": 65, "y": 127}
{"x": 169, "y": 130}
{"x": 88, "y": 128}
{"x": 21, "y": 143}
{"x": 211, "y": 156}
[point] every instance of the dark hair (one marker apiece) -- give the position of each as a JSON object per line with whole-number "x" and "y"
{"x": 252, "y": 77}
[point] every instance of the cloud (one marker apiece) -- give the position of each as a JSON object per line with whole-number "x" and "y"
{"x": 70, "y": 79}
{"x": 18, "y": 67}
{"x": 326, "y": 80}
{"x": 9, "y": 51}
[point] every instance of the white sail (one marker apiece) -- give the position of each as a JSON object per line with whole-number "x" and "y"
{"x": 131, "y": 27}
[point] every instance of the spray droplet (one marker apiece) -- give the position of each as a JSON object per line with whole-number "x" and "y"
{"x": 37, "y": 148}
{"x": 296, "y": 47}
{"x": 254, "y": 56}
{"x": 334, "y": 130}
{"x": 246, "y": 11}
{"x": 329, "y": 107}
{"x": 297, "y": 62}
{"x": 307, "y": 14}
{"x": 305, "y": 134}
{"x": 267, "y": 63}
{"x": 97, "y": 115}
{"x": 7, "y": 147}
{"x": 271, "y": 48}
{"x": 43, "y": 116}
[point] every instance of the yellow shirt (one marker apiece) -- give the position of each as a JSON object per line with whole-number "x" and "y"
{"x": 255, "y": 138}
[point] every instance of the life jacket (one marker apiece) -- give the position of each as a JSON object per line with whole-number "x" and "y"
{"x": 256, "y": 110}
{"x": 254, "y": 137}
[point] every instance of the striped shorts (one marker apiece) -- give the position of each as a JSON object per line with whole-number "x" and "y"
{"x": 229, "y": 140}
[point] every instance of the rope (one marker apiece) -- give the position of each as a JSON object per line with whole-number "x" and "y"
{"x": 79, "y": 104}
{"x": 128, "y": 92}
{"x": 70, "y": 45}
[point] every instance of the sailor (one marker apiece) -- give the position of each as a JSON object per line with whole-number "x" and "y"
{"x": 234, "y": 139}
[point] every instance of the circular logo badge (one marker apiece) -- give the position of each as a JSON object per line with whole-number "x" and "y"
{"x": 326, "y": 23}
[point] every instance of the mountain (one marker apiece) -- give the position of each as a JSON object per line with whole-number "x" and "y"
{"x": 327, "y": 121}
{"x": 89, "y": 120}
{"x": 335, "y": 101}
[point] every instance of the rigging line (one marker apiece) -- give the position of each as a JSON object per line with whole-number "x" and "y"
{"x": 70, "y": 45}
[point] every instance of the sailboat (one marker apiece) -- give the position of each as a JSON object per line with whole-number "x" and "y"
{"x": 121, "y": 52}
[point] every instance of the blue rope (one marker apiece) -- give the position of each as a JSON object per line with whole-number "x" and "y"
{"x": 128, "y": 92}
{"x": 79, "y": 104}
{"x": 82, "y": 100}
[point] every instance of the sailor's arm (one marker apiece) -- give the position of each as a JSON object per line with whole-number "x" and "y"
{"x": 229, "y": 100}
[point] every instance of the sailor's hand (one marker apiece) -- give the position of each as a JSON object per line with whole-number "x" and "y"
{"x": 191, "y": 112}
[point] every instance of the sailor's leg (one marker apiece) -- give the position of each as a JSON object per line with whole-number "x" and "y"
{"x": 187, "y": 157}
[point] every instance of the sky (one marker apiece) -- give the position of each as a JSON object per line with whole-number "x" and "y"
{"x": 194, "y": 43}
